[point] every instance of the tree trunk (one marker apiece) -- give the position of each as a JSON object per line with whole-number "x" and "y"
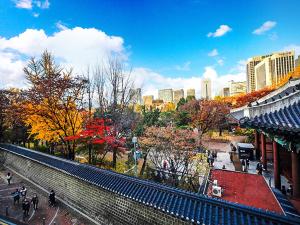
{"x": 144, "y": 164}
{"x": 114, "y": 163}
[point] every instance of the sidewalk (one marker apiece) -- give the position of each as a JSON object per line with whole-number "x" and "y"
{"x": 61, "y": 215}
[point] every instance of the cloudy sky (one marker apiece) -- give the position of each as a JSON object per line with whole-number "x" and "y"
{"x": 167, "y": 43}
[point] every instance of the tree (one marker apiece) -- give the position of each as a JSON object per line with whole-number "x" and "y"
{"x": 4, "y": 104}
{"x": 170, "y": 150}
{"x": 54, "y": 102}
{"x": 205, "y": 114}
{"x": 99, "y": 132}
{"x": 113, "y": 85}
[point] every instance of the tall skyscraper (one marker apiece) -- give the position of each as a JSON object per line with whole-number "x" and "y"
{"x": 236, "y": 88}
{"x": 177, "y": 95}
{"x": 297, "y": 61}
{"x": 282, "y": 63}
{"x": 206, "y": 88}
{"x": 263, "y": 75}
{"x": 191, "y": 93}
{"x": 278, "y": 64}
{"x": 272, "y": 69}
{"x": 166, "y": 95}
{"x": 135, "y": 96}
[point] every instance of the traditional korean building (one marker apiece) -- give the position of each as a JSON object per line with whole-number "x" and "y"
{"x": 276, "y": 120}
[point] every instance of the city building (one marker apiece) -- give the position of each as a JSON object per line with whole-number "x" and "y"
{"x": 225, "y": 92}
{"x": 297, "y": 61}
{"x": 236, "y": 88}
{"x": 157, "y": 104}
{"x": 206, "y": 88}
{"x": 177, "y": 95}
{"x": 282, "y": 63}
{"x": 148, "y": 100}
{"x": 135, "y": 96}
{"x": 263, "y": 75}
{"x": 191, "y": 93}
{"x": 271, "y": 71}
{"x": 250, "y": 70}
{"x": 166, "y": 95}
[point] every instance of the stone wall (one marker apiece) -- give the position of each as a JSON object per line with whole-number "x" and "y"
{"x": 102, "y": 206}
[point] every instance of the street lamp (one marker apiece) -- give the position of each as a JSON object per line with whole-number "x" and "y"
{"x": 134, "y": 141}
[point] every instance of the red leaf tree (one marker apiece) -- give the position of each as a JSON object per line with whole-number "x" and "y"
{"x": 102, "y": 135}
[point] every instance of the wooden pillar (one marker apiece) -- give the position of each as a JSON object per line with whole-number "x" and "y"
{"x": 263, "y": 150}
{"x": 256, "y": 143}
{"x": 296, "y": 174}
{"x": 277, "y": 179}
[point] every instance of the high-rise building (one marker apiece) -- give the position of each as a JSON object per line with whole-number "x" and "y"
{"x": 278, "y": 64}
{"x": 206, "y": 88}
{"x": 225, "y": 92}
{"x": 262, "y": 73}
{"x": 236, "y": 88}
{"x": 282, "y": 63}
{"x": 273, "y": 69}
{"x": 148, "y": 100}
{"x": 166, "y": 95}
{"x": 250, "y": 70}
{"x": 297, "y": 61}
{"x": 191, "y": 93}
{"x": 135, "y": 96}
{"x": 177, "y": 95}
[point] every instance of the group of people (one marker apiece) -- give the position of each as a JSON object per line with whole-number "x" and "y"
{"x": 211, "y": 158}
{"x": 245, "y": 165}
{"x": 21, "y": 193}
{"x": 26, "y": 202}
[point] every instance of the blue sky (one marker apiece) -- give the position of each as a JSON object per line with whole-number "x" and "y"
{"x": 167, "y": 39}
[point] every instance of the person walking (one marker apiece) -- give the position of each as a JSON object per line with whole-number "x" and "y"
{"x": 8, "y": 178}
{"x": 247, "y": 164}
{"x": 16, "y": 196}
{"x": 23, "y": 192}
{"x": 243, "y": 165}
{"x": 259, "y": 168}
{"x": 26, "y": 208}
{"x": 35, "y": 201}
{"x": 52, "y": 198}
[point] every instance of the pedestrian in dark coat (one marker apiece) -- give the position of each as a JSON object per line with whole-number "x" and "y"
{"x": 16, "y": 196}
{"x": 52, "y": 198}
{"x": 35, "y": 201}
{"x": 26, "y": 208}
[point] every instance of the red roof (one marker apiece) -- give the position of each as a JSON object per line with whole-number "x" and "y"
{"x": 247, "y": 189}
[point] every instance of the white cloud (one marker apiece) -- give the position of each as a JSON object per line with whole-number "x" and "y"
{"x": 268, "y": 25}
{"x": 61, "y": 26}
{"x": 77, "y": 47}
{"x": 24, "y": 4}
{"x": 213, "y": 53}
{"x": 151, "y": 81}
{"x": 222, "y": 30}
{"x": 184, "y": 67}
{"x": 35, "y": 15}
{"x": 43, "y": 4}
{"x": 293, "y": 47}
{"x": 220, "y": 62}
{"x": 30, "y": 4}
{"x": 240, "y": 67}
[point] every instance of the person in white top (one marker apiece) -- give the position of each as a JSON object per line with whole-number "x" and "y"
{"x": 8, "y": 178}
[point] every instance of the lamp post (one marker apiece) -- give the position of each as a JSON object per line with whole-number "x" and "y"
{"x": 134, "y": 141}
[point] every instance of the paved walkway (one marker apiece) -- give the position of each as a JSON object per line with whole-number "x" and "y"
{"x": 59, "y": 215}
